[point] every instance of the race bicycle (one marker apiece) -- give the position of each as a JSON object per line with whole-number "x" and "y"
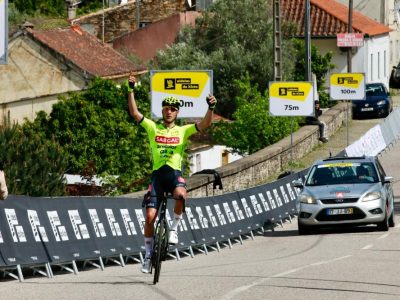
{"x": 160, "y": 248}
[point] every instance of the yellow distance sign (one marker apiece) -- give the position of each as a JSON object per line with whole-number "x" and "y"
{"x": 347, "y": 86}
{"x": 291, "y": 98}
{"x": 190, "y": 87}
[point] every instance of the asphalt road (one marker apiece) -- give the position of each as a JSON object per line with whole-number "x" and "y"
{"x": 350, "y": 263}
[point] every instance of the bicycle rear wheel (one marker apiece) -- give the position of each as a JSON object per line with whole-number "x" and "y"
{"x": 159, "y": 248}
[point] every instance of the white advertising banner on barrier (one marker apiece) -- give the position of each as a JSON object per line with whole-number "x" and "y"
{"x": 291, "y": 98}
{"x": 370, "y": 144}
{"x": 3, "y": 31}
{"x": 190, "y": 87}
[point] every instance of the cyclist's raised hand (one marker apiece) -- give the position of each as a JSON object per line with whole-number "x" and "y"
{"x": 132, "y": 81}
{"x": 211, "y": 101}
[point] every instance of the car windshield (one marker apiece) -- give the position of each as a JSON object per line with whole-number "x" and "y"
{"x": 375, "y": 90}
{"x": 342, "y": 173}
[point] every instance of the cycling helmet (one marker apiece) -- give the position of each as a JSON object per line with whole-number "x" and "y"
{"x": 171, "y": 101}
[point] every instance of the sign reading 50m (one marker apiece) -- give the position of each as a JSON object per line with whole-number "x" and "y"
{"x": 347, "y": 86}
{"x": 291, "y": 98}
{"x": 190, "y": 87}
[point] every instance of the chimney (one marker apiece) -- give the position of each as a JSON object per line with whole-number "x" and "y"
{"x": 71, "y": 9}
{"x": 27, "y": 25}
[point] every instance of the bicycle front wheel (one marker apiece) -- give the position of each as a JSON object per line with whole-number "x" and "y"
{"x": 159, "y": 248}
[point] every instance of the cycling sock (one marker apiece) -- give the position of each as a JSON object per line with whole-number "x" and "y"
{"x": 176, "y": 221}
{"x": 148, "y": 245}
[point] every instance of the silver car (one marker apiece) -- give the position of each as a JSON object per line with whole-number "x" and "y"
{"x": 346, "y": 190}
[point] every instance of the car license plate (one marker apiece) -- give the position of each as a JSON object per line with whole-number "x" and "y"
{"x": 367, "y": 109}
{"x": 339, "y": 211}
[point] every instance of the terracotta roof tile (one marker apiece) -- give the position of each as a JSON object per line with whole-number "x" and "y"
{"x": 85, "y": 51}
{"x": 328, "y": 17}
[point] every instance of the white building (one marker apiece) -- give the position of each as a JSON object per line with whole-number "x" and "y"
{"x": 327, "y": 19}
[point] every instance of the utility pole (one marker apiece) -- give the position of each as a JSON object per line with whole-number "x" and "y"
{"x": 277, "y": 41}
{"x": 349, "y": 66}
{"x": 350, "y": 30}
{"x": 102, "y": 25}
{"x": 137, "y": 14}
{"x": 307, "y": 36}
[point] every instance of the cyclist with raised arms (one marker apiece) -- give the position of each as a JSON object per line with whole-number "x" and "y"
{"x": 168, "y": 142}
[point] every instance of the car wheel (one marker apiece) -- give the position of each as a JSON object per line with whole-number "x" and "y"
{"x": 391, "y": 220}
{"x": 384, "y": 225}
{"x": 303, "y": 230}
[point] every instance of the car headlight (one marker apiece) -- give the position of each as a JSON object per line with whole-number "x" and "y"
{"x": 372, "y": 196}
{"x": 307, "y": 199}
{"x": 381, "y": 102}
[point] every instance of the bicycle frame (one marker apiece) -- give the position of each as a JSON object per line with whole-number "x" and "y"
{"x": 160, "y": 249}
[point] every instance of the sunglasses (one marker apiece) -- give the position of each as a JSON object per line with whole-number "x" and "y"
{"x": 171, "y": 108}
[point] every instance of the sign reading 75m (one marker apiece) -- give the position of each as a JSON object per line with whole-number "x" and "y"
{"x": 291, "y": 98}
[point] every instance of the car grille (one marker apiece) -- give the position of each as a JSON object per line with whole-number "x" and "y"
{"x": 356, "y": 215}
{"x": 339, "y": 200}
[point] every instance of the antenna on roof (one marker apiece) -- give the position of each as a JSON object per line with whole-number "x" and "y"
{"x": 190, "y": 3}
{"x": 396, "y": 12}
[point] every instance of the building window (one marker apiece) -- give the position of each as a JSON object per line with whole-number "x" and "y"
{"x": 225, "y": 157}
{"x": 379, "y": 65}
{"x": 397, "y": 55}
{"x": 384, "y": 64}
{"x": 372, "y": 67}
{"x": 198, "y": 162}
{"x": 144, "y": 24}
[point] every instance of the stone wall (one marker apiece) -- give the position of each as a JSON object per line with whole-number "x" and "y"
{"x": 121, "y": 19}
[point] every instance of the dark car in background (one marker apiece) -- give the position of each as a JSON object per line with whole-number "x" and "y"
{"x": 377, "y": 103}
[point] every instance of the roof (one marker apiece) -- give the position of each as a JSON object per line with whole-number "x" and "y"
{"x": 145, "y": 42}
{"x": 328, "y": 18}
{"x": 85, "y": 51}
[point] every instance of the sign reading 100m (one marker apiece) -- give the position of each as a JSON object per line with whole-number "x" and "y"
{"x": 347, "y": 86}
{"x": 291, "y": 98}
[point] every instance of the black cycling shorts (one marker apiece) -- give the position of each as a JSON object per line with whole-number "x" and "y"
{"x": 164, "y": 180}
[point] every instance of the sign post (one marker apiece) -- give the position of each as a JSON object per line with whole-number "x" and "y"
{"x": 3, "y": 31}
{"x": 291, "y": 99}
{"x": 190, "y": 87}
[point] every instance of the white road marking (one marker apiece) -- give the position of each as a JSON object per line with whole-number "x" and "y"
{"x": 384, "y": 236}
{"x": 367, "y": 247}
{"x": 232, "y": 294}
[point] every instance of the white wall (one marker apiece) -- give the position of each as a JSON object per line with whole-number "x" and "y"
{"x": 376, "y": 59}
{"x": 376, "y": 70}
{"x": 382, "y": 11}
{"x": 33, "y": 79}
{"x": 209, "y": 158}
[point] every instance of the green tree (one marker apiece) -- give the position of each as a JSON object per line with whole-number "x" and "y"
{"x": 320, "y": 66}
{"x": 233, "y": 38}
{"x": 45, "y": 7}
{"x": 33, "y": 166}
{"x": 253, "y": 128}
{"x": 95, "y": 126}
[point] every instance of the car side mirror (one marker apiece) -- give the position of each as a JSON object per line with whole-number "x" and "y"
{"x": 298, "y": 183}
{"x": 388, "y": 179}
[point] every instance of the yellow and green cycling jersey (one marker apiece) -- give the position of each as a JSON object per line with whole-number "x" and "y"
{"x": 167, "y": 144}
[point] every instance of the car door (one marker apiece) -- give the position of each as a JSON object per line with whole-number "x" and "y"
{"x": 387, "y": 186}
